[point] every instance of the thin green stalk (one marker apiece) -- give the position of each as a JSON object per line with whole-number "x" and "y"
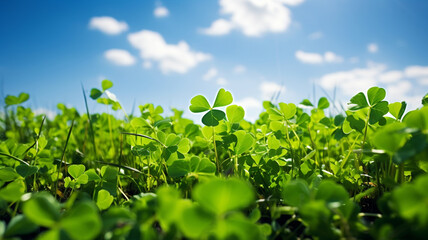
{"x": 345, "y": 160}
{"x": 378, "y": 178}
{"x": 215, "y": 151}
{"x": 62, "y": 157}
{"x": 38, "y": 135}
{"x": 91, "y": 128}
{"x": 110, "y": 128}
{"x": 15, "y": 158}
{"x": 314, "y": 146}
{"x": 364, "y": 139}
{"x": 149, "y": 177}
{"x": 400, "y": 177}
{"x": 36, "y": 143}
{"x": 236, "y": 164}
{"x": 291, "y": 149}
{"x": 144, "y": 136}
{"x": 297, "y": 136}
{"x": 120, "y": 166}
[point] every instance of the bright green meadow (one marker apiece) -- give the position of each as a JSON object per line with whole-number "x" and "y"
{"x": 298, "y": 172}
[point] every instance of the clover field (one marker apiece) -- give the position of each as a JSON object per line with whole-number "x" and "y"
{"x": 298, "y": 172}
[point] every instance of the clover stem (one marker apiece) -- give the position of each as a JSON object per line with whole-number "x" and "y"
{"x": 400, "y": 177}
{"x": 364, "y": 138}
{"x": 62, "y": 159}
{"x": 291, "y": 148}
{"x": 215, "y": 151}
{"x": 314, "y": 146}
{"x": 149, "y": 177}
{"x": 236, "y": 164}
{"x": 111, "y": 132}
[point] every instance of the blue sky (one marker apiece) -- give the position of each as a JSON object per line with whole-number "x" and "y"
{"x": 165, "y": 52}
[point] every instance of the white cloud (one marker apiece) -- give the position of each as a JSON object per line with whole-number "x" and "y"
{"x": 252, "y": 106}
{"x": 43, "y": 111}
{"x": 399, "y": 90}
{"x": 270, "y": 89}
{"x": 293, "y": 2}
{"x": 352, "y": 81}
{"x": 239, "y": 69}
{"x": 212, "y": 73}
{"x": 354, "y": 60}
{"x": 222, "y": 81}
{"x": 108, "y": 25}
{"x": 252, "y": 17}
{"x": 316, "y": 58}
{"x": 402, "y": 91}
{"x": 391, "y": 77}
{"x": 416, "y": 71}
{"x": 315, "y": 35}
{"x": 373, "y": 48}
{"x": 331, "y": 57}
{"x": 311, "y": 58}
{"x": 218, "y": 27}
{"x": 147, "y": 64}
{"x": 423, "y": 81}
{"x": 178, "y": 58}
{"x": 119, "y": 57}
{"x": 161, "y": 12}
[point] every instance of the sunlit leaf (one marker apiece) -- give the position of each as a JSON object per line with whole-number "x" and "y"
{"x": 223, "y": 195}
{"x": 199, "y": 104}
{"x": 235, "y": 113}
{"x": 375, "y": 95}
{"x": 106, "y": 84}
{"x": 223, "y": 98}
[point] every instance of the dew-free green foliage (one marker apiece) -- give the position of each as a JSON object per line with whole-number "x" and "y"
{"x": 200, "y": 104}
{"x": 295, "y": 173}
{"x": 14, "y": 100}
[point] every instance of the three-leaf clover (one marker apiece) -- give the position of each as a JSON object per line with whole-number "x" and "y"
{"x": 378, "y": 108}
{"x": 200, "y": 104}
{"x": 110, "y": 98}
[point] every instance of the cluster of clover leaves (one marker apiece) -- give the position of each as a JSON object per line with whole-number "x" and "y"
{"x": 200, "y": 104}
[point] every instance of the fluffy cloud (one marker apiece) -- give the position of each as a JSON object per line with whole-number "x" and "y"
{"x": 331, "y": 57}
{"x": 316, "y": 58}
{"x": 239, "y": 69}
{"x": 416, "y": 71}
{"x": 178, "y": 58}
{"x": 400, "y": 91}
{"x": 353, "y": 81}
{"x": 315, "y": 35}
{"x": 270, "y": 89}
{"x": 147, "y": 64}
{"x": 221, "y": 81}
{"x": 161, "y": 12}
{"x": 212, "y": 73}
{"x": 108, "y": 25}
{"x": 218, "y": 27}
{"x": 372, "y": 47}
{"x": 252, "y": 17}
{"x": 293, "y": 2}
{"x": 119, "y": 57}
{"x": 354, "y": 60}
{"x": 43, "y": 111}
{"x": 311, "y": 58}
{"x": 423, "y": 81}
{"x": 391, "y": 76}
{"x": 395, "y": 82}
